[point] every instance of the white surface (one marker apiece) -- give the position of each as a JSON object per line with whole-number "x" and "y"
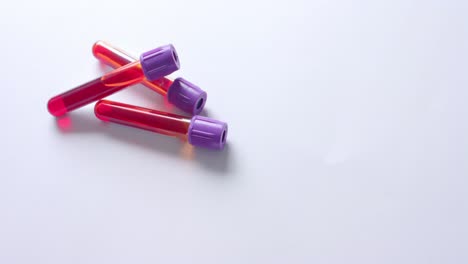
{"x": 347, "y": 143}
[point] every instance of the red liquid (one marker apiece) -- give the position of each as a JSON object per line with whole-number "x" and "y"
{"x": 96, "y": 89}
{"x": 115, "y": 58}
{"x": 144, "y": 118}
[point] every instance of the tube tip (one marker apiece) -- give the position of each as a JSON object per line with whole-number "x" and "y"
{"x": 95, "y": 48}
{"x": 101, "y": 108}
{"x": 56, "y": 107}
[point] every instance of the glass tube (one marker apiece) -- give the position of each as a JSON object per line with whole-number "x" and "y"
{"x": 199, "y": 131}
{"x": 116, "y": 58}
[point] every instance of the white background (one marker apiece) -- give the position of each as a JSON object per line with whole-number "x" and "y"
{"x": 348, "y": 135}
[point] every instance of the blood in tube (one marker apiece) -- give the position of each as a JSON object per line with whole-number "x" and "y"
{"x": 199, "y": 131}
{"x": 180, "y": 92}
{"x": 116, "y": 58}
{"x": 153, "y": 65}
{"x": 95, "y": 89}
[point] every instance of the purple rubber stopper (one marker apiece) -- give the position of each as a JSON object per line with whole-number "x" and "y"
{"x": 186, "y": 96}
{"x": 207, "y": 133}
{"x": 159, "y": 62}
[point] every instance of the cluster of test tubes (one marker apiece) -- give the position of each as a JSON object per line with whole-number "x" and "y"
{"x": 150, "y": 70}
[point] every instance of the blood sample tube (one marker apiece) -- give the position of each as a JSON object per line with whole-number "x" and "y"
{"x": 180, "y": 92}
{"x": 199, "y": 131}
{"x": 153, "y": 65}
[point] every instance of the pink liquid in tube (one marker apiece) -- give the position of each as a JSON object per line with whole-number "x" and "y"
{"x": 198, "y": 130}
{"x": 116, "y": 58}
{"x": 180, "y": 92}
{"x": 153, "y": 64}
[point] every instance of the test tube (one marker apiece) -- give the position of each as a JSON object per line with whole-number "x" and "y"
{"x": 153, "y": 65}
{"x": 180, "y": 92}
{"x": 199, "y": 131}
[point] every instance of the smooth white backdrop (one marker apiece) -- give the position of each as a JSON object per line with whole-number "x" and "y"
{"x": 347, "y": 143}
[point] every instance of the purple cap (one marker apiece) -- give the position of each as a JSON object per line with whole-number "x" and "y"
{"x": 207, "y": 133}
{"x": 159, "y": 62}
{"x": 186, "y": 96}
